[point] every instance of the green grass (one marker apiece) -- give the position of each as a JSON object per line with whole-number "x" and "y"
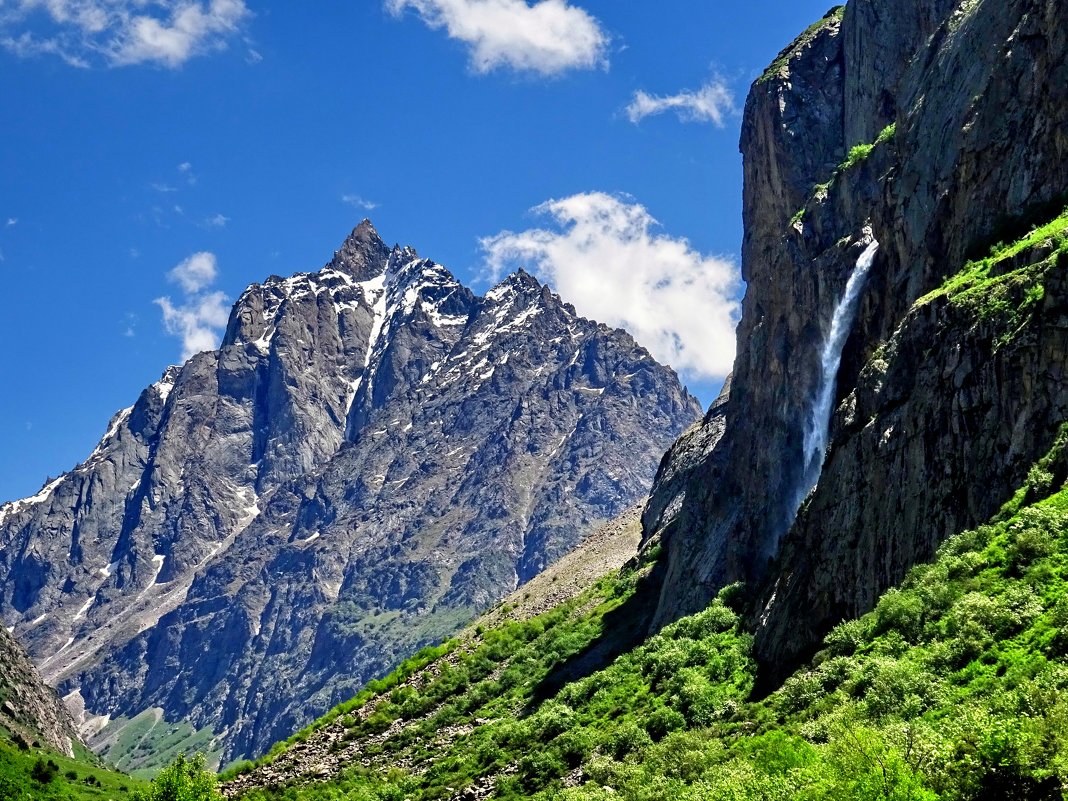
{"x": 80, "y": 779}
{"x": 143, "y": 745}
{"x": 859, "y": 153}
{"x": 856, "y": 155}
{"x": 993, "y": 288}
{"x": 954, "y": 687}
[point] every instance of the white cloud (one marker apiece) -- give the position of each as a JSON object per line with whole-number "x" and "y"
{"x": 197, "y": 322}
{"x": 217, "y": 221}
{"x": 186, "y": 169}
{"x": 358, "y": 202}
{"x": 711, "y": 103}
{"x": 604, "y": 256}
{"x": 548, "y": 37}
{"x": 195, "y": 273}
{"x": 119, "y": 32}
{"x": 12, "y": 221}
{"x": 199, "y": 319}
{"x": 26, "y": 45}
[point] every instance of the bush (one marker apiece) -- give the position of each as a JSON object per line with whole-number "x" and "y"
{"x": 900, "y": 610}
{"x": 629, "y": 739}
{"x": 539, "y": 767}
{"x": 183, "y": 780}
{"x": 44, "y": 772}
{"x": 574, "y": 746}
{"x": 662, "y": 721}
{"x": 845, "y": 638}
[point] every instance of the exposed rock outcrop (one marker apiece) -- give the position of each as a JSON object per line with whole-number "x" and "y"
{"x": 935, "y": 424}
{"x": 30, "y": 709}
{"x": 373, "y": 456}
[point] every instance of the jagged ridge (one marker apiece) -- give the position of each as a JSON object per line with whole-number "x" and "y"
{"x": 374, "y": 454}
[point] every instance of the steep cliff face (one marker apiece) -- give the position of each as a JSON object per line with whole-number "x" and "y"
{"x": 943, "y": 400}
{"x": 374, "y": 455}
{"x": 29, "y": 708}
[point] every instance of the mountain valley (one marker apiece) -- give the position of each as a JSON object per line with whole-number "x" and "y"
{"x": 394, "y": 541}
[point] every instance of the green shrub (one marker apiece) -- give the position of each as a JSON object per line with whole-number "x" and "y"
{"x": 44, "y": 772}
{"x": 183, "y": 780}
{"x": 662, "y": 721}
{"x": 629, "y": 738}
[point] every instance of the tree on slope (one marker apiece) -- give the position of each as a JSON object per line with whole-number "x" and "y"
{"x": 182, "y": 780}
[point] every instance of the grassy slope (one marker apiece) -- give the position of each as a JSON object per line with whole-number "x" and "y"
{"x": 144, "y": 744}
{"x": 80, "y": 779}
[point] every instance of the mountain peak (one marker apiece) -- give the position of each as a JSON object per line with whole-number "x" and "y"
{"x": 520, "y": 282}
{"x": 363, "y": 254}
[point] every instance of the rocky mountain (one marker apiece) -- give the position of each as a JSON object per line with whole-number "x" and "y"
{"x": 853, "y": 564}
{"x": 374, "y": 455}
{"x": 29, "y": 709}
{"x": 921, "y": 135}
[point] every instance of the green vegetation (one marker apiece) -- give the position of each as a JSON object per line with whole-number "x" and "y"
{"x": 856, "y": 155}
{"x": 997, "y": 287}
{"x": 144, "y": 744}
{"x": 29, "y": 773}
{"x": 859, "y": 153}
{"x": 183, "y": 780}
{"x": 954, "y": 687}
{"x": 834, "y": 15}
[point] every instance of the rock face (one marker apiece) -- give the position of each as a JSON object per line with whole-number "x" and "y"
{"x": 374, "y": 455}
{"x": 30, "y": 709}
{"x": 942, "y": 406}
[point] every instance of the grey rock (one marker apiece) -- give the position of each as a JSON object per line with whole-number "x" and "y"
{"x": 373, "y": 456}
{"x": 978, "y": 91}
{"x": 31, "y": 710}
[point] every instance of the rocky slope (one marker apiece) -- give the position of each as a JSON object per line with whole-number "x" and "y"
{"x": 941, "y": 406}
{"x": 29, "y": 709}
{"x": 374, "y": 455}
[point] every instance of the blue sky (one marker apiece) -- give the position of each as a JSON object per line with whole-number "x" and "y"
{"x": 592, "y": 140}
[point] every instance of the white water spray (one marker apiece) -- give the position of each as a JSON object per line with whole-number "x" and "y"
{"x": 817, "y": 426}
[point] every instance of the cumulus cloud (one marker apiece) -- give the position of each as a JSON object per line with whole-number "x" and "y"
{"x": 119, "y": 32}
{"x": 217, "y": 221}
{"x": 196, "y": 272}
{"x": 200, "y": 316}
{"x": 604, "y": 255}
{"x": 711, "y": 103}
{"x": 548, "y": 37}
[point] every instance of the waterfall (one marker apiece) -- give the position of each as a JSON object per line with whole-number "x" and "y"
{"x": 817, "y": 425}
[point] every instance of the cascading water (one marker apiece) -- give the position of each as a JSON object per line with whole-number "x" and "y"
{"x": 817, "y": 426}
